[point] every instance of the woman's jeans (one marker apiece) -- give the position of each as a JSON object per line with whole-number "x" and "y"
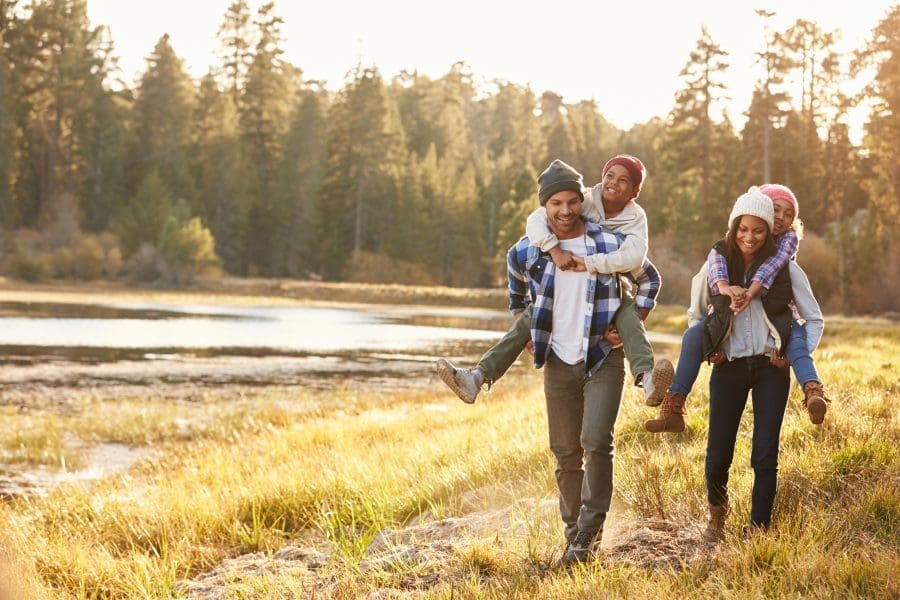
{"x": 729, "y": 385}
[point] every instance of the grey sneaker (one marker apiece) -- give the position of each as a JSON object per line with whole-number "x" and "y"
{"x": 657, "y": 381}
{"x": 465, "y": 383}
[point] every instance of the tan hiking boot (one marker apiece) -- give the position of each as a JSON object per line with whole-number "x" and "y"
{"x": 657, "y": 381}
{"x": 715, "y": 529}
{"x": 815, "y": 402}
{"x": 671, "y": 415}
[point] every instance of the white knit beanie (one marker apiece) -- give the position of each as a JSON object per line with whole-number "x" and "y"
{"x": 755, "y": 203}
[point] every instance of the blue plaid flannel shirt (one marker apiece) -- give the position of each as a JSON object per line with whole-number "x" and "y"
{"x": 531, "y": 276}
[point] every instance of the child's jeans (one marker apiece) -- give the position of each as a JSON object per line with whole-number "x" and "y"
{"x": 689, "y": 360}
{"x": 495, "y": 362}
{"x": 691, "y": 357}
{"x": 797, "y": 351}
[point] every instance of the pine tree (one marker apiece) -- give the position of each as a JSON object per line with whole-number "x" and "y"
{"x": 769, "y": 104}
{"x": 265, "y": 116}
{"x": 217, "y": 169}
{"x": 102, "y": 126}
{"x": 555, "y": 128}
{"x": 508, "y": 136}
{"x": 882, "y": 139}
{"x": 142, "y": 218}
{"x": 364, "y": 162}
{"x": 163, "y": 113}
{"x": 595, "y": 140}
{"x": 691, "y": 143}
{"x": 234, "y": 34}
{"x": 810, "y": 51}
{"x": 299, "y": 182}
{"x": 8, "y": 26}
{"x": 60, "y": 67}
{"x": 436, "y": 112}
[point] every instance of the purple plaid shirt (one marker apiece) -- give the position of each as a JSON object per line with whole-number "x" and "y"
{"x": 785, "y": 248}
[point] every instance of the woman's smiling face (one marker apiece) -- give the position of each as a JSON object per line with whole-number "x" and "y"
{"x": 751, "y": 235}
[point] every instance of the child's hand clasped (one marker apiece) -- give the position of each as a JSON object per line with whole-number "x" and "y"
{"x": 563, "y": 259}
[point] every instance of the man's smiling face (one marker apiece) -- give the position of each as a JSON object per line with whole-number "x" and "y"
{"x": 564, "y": 214}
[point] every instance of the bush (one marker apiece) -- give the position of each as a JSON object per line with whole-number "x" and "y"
{"x": 188, "y": 248}
{"x": 113, "y": 263}
{"x": 146, "y": 265}
{"x": 368, "y": 267}
{"x": 62, "y": 261}
{"x": 29, "y": 267}
{"x": 89, "y": 257}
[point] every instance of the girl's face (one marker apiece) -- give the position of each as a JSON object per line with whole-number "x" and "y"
{"x": 751, "y": 235}
{"x": 784, "y": 216}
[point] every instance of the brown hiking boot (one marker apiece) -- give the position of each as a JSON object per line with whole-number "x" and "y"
{"x": 715, "y": 529}
{"x": 671, "y": 415}
{"x": 815, "y": 402}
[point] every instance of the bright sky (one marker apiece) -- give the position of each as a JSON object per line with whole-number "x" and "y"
{"x": 625, "y": 55}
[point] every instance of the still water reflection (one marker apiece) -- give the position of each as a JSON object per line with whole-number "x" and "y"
{"x": 292, "y": 329}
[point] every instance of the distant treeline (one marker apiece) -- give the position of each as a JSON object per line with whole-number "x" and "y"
{"x": 259, "y": 171}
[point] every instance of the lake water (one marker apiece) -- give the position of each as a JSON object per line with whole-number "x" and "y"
{"x": 54, "y": 351}
{"x": 279, "y": 329}
{"x": 58, "y": 351}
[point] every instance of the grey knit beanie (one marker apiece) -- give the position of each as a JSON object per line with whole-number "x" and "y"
{"x": 558, "y": 177}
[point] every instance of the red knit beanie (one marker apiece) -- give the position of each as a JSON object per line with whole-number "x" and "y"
{"x": 634, "y": 167}
{"x": 776, "y": 191}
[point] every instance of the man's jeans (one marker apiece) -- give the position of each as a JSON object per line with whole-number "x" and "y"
{"x": 581, "y": 413}
{"x": 497, "y": 360}
{"x": 729, "y": 385}
{"x": 691, "y": 357}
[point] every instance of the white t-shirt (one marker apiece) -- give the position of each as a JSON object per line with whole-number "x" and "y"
{"x": 570, "y": 307}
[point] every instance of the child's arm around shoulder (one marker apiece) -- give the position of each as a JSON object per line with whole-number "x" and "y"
{"x": 716, "y": 273}
{"x": 785, "y": 247}
{"x": 631, "y": 255}
{"x": 538, "y": 231}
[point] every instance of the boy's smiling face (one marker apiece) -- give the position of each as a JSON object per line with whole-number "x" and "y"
{"x": 617, "y": 186}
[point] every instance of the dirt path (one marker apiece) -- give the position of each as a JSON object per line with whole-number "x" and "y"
{"x": 426, "y": 555}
